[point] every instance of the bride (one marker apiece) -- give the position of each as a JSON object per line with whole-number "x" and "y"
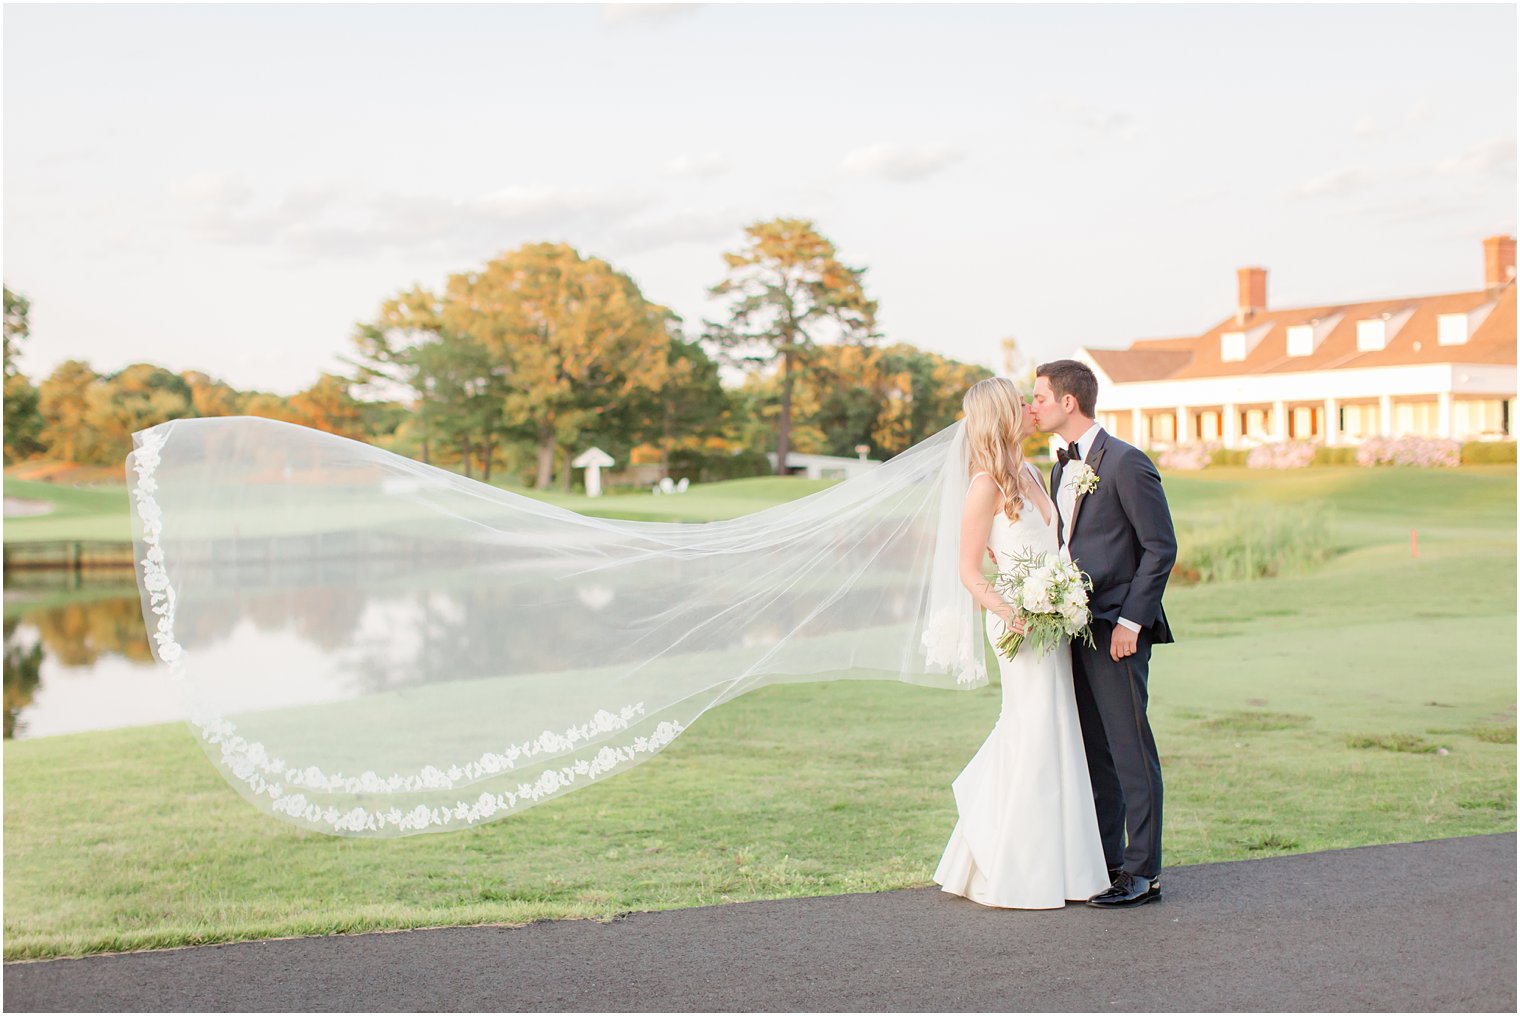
{"x": 1027, "y": 835}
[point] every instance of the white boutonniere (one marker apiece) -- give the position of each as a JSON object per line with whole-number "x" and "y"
{"x": 1084, "y": 478}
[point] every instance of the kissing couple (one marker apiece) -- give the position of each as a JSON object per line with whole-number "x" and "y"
{"x": 1062, "y": 802}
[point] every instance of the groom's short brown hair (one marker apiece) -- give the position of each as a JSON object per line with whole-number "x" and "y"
{"x": 1074, "y": 378}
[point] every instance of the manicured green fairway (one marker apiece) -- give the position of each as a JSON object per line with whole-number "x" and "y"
{"x": 1370, "y": 700}
{"x": 101, "y": 513}
{"x": 79, "y": 513}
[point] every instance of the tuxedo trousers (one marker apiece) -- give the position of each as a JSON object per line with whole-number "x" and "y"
{"x": 1121, "y": 753}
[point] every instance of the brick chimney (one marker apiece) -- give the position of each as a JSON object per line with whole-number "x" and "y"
{"x": 1253, "y": 290}
{"x": 1498, "y": 261}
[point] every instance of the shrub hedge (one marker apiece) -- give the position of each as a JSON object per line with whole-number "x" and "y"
{"x": 1473, "y": 453}
{"x": 1487, "y": 452}
{"x": 1342, "y": 456}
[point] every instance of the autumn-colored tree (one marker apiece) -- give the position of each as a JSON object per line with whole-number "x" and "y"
{"x": 787, "y": 292}
{"x": 63, "y": 400}
{"x": 932, "y": 387}
{"x": 211, "y": 397}
{"x": 572, "y": 338}
{"x": 135, "y": 397}
{"x": 456, "y": 385}
{"x": 267, "y": 405}
{"x": 851, "y": 389}
{"x": 328, "y": 405}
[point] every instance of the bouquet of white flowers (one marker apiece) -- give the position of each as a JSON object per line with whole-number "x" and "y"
{"x": 1051, "y": 597}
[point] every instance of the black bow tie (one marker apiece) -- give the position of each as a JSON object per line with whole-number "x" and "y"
{"x": 1071, "y": 453}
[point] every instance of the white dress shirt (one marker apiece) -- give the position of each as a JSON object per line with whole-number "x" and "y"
{"x": 1066, "y": 499}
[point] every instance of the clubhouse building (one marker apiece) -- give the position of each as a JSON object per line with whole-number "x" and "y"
{"x": 1431, "y": 366}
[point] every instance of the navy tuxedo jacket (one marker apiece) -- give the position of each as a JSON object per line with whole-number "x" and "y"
{"x": 1121, "y": 535}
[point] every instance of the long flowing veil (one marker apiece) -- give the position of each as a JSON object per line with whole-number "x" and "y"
{"x": 371, "y": 646}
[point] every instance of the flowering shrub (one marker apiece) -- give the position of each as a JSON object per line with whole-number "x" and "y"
{"x": 1427, "y": 452}
{"x": 1185, "y": 457}
{"x": 1287, "y": 455}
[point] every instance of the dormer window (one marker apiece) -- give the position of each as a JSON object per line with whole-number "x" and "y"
{"x": 1371, "y": 334}
{"x": 1301, "y": 340}
{"x": 1232, "y": 347}
{"x": 1236, "y": 346}
{"x": 1451, "y": 329}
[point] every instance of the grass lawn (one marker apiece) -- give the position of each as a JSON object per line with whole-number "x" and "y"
{"x": 101, "y": 513}
{"x": 79, "y": 513}
{"x": 1370, "y": 700}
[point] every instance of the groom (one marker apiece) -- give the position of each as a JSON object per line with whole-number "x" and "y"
{"x": 1115, "y": 525}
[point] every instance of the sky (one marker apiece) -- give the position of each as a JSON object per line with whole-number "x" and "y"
{"x": 232, "y": 188}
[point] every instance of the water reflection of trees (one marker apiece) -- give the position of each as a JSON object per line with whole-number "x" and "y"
{"x": 390, "y": 612}
{"x": 74, "y": 634}
{"x": 393, "y": 611}
{"x": 23, "y": 673}
{"x": 78, "y": 634}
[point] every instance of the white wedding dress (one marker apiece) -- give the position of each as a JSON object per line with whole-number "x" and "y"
{"x": 1027, "y": 835}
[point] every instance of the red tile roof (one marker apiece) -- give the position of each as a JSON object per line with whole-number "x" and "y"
{"x": 1492, "y": 341}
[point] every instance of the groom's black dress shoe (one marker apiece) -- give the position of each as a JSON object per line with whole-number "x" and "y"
{"x": 1128, "y": 891}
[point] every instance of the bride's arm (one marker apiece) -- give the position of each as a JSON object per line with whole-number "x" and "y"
{"x": 976, "y": 525}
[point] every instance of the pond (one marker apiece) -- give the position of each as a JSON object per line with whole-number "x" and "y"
{"x": 266, "y": 633}
{"x": 77, "y": 656}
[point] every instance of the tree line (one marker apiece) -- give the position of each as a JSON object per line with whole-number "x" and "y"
{"x": 518, "y": 365}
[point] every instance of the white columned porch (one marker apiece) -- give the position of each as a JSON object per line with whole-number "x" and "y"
{"x": 1332, "y": 421}
{"x": 1137, "y": 428}
{"x": 1230, "y": 425}
{"x": 1385, "y": 416}
{"x": 1443, "y": 414}
{"x": 1184, "y": 425}
{"x": 1279, "y": 421}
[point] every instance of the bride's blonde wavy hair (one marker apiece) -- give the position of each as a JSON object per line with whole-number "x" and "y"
{"x": 994, "y": 417}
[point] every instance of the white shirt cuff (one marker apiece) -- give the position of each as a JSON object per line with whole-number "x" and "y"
{"x": 1132, "y": 626}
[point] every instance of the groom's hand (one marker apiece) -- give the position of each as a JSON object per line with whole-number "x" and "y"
{"x": 1124, "y": 643}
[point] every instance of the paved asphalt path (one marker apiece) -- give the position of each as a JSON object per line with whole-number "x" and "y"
{"x": 1415, "y": 926}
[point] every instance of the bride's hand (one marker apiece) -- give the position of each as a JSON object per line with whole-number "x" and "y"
{"x": 1014, "y": 621}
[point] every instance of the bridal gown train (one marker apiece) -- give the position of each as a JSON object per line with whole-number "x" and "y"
{"x": 1027, "y": 832}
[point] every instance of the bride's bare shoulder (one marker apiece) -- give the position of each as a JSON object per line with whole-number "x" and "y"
{"x": 983, "y": 489}
{"x": 991, "y": 480}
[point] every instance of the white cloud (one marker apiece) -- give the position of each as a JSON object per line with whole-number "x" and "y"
{"x": 1495, "y": 156}
{"x": 550, "y": 204}
{"x": 706, "y": 165}
{"x": 645, "y": 14}
{"x": 1106, "y": 123}
{"x": 1343, "y": 181}
{"x": 221, "y": 189}
{"x": 332, "y": 219}
{"x": 1413, "y": 209}
{"x": 681, "y": 227}
{"x": 1366, "y": 127}
{"x": 900, "y": 163}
